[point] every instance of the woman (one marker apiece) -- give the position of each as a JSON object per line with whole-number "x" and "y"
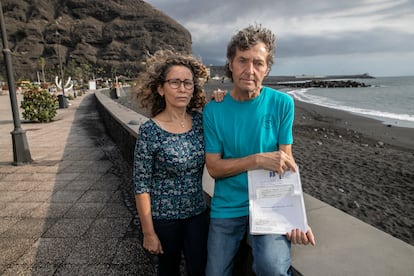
{"x": 169, "y": 162}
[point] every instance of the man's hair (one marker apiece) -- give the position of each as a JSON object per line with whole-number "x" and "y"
{"x": 248, "y": 38}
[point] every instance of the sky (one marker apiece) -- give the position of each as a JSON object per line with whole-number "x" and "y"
{"x": 318, "y": 37}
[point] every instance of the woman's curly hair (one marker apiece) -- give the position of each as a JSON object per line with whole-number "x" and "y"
{"x": 248, "y": 38}
{"x": 157, "y": 68}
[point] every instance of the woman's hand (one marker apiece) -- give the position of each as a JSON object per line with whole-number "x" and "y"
{"x": 152, "y": 244}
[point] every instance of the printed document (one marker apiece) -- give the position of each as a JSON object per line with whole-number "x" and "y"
{"x": 276, "y": 202}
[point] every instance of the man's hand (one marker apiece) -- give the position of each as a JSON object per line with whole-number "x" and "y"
{"x": 277, "y": 161}
{"x": 299, "y": 237}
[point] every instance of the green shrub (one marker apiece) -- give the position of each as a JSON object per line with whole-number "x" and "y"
{"x": 38, "y": 105}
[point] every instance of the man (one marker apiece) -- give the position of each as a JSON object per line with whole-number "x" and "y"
{"x": 251, "y": 129}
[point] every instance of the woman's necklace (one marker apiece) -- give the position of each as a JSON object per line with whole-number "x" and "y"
{"x": 182, "y": 122}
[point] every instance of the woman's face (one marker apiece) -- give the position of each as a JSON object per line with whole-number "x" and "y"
{"x": 178, "y": 87}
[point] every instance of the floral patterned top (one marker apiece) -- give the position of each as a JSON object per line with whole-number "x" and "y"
{"x": 169, "y": 167}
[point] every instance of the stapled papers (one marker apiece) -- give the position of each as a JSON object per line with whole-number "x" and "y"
{"x": 276, "y": 202}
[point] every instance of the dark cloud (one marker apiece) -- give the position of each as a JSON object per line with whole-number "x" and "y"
{"x": 304, "y": 29}
{"x": 375, "y": 41}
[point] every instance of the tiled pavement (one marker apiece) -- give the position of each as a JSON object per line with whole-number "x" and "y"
{"x": 70, "y": 211}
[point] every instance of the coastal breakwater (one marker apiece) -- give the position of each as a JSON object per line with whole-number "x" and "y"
{"x": 323, "y": 84}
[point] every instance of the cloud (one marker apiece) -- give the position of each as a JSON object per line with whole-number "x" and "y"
{"x": 321, "y": 29}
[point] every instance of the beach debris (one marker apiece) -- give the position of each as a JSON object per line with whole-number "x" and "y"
{"x": 356, "y": 203}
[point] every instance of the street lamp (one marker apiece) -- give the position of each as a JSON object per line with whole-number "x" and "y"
{"x": 21, "y": 152}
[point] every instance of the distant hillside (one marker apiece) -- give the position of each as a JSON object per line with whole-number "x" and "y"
{"x": 101, "y": 37}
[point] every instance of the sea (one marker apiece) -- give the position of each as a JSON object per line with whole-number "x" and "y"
{"x": 388, "y": 99}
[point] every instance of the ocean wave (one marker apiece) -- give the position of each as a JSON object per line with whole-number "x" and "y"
{"x": 384, "y": 116}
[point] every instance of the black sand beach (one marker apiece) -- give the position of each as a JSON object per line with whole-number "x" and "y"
{"x": 356, "y": 164}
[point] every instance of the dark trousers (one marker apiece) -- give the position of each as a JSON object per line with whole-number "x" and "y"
{"x": 183, "y": 235}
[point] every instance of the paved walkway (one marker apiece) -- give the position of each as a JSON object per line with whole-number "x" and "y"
{"x": 70, "y": 212}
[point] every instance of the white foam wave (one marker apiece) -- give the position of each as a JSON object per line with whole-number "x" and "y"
{"x": 301, "y": 95}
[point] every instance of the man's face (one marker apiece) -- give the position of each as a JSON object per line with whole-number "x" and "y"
{"x": 249, "y": 68}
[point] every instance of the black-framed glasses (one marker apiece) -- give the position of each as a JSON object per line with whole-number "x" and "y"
{"x": 176, "y": 83}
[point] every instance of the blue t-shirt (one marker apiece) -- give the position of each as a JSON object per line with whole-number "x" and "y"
{"x": 169, "y": 167}
{"x": 236, "y": 129}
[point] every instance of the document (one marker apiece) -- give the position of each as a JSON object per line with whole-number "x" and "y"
{"x": 276, "y": 204}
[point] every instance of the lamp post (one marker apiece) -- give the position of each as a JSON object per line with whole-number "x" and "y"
{"x": 21, "y": 152}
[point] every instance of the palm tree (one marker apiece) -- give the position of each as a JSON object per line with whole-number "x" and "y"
{"x": 100, "y": 71}
{"x": 113, "y": 71}
{"x": 87, "y": 70}
{"x": 42, "y": 64}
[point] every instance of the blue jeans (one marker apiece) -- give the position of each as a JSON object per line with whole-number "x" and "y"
{"x": 271, "y": 253}
{"x": 187, "y": 235}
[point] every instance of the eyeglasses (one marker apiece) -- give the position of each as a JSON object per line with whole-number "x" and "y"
{"x": 176, "y": 83}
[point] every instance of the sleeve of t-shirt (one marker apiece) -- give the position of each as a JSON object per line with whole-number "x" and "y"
{"x": 211, "y": 141}
{"x": 286, "y": 123}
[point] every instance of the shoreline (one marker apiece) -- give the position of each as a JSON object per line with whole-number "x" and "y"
{"x": 399, "y": 137}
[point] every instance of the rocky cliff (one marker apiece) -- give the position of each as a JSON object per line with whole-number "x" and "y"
{"x": 104, "y": 37}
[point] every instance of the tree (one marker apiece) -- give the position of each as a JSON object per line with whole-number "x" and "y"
{"x": 113, "y": 71}
{"x": 100, "y": 71}
{"x": 86, "y": 70}
{"x": 42, "y": 64}
{"x": 129, "y": 73}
